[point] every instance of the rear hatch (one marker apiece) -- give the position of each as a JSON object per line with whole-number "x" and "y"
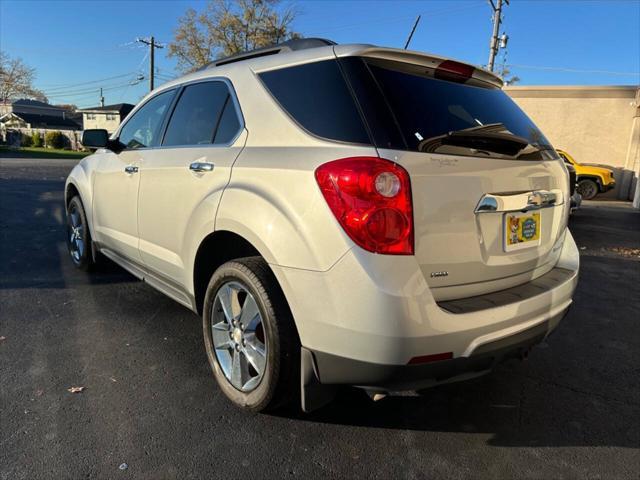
{"x": 489, "y": 191}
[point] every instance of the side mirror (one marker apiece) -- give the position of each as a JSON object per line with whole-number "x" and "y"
{"x": 95, "y": 138}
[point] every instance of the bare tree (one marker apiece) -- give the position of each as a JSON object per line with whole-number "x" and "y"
{"x": 16, "y": 80}
{"x": 227, "y": 27}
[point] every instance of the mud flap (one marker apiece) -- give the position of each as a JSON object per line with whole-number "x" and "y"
{"x": 313, "y": 395}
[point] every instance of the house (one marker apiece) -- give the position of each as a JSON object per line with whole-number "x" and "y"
{"x": 107, "y": 117}
{"x": 24, "y": 117}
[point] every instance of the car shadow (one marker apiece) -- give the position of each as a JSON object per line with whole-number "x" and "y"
{"x": 33, "y": 239}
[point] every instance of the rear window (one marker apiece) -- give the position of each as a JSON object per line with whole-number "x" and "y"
{"x": 427, "y": 110}
{"x": 317, "y": 97}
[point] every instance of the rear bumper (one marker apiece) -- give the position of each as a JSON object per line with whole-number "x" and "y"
{"x": 334, "y": 370}
{"x": 369, "y": 315}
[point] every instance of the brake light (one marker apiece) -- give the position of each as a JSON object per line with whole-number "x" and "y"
{"x": 371, "y": 199}
{"x": 454, "y": 71}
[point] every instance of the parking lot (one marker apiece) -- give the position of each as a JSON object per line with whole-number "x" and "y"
{"x": 151, "y": 409}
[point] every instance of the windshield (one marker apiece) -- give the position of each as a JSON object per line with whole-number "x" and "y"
{"x": 441, "y": 116}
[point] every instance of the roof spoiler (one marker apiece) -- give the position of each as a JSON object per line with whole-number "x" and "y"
{"x": 446, "y": 67}
{"x": 288, "y": 46}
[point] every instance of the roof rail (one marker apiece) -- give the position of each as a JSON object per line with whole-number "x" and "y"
{"x": 288, "y": 46}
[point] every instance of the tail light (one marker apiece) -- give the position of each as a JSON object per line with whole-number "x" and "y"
{"x": 371, "y": 199}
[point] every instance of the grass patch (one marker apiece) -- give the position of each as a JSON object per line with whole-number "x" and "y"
{"x": 33, "y": 152}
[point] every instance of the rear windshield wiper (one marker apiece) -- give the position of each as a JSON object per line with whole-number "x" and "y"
{"x": 493, "y": 137}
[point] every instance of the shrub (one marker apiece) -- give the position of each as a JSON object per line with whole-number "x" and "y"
{"x": 55, "y": 139}
{"x": 26, "y": 140}
{"x": 36, "y": 140}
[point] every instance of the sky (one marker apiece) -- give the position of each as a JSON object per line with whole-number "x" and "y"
{"x": 78, "y": 46}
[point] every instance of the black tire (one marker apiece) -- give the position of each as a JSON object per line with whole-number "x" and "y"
{"x": 82, "y": 259}
{"x": 588, "y": 189}
{"x": 279, "y": 383}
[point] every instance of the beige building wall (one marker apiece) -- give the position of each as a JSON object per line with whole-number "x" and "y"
{"x": 595, "y": 125}
{"x": 100, "y": 121}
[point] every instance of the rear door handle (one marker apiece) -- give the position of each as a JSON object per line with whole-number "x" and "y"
{"x": 131, "y": 169}
{"x": 201, "y": 167}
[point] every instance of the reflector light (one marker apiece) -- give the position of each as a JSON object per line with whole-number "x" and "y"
{"x": 436, "y": 357}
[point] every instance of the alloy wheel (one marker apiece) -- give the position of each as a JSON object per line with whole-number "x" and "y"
{"x": 238, "y": 335}
{"x": 76, "y": 234}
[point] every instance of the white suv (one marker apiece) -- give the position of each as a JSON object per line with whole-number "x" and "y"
{"x": 338, "y": 215}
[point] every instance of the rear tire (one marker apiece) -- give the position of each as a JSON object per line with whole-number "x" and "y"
{"x": 588, "y": 189}
{"x": 78, "y": 236}
{"x": 250, "y": 337}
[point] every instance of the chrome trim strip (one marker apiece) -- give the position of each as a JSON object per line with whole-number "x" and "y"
{"x": 519, "y": 202}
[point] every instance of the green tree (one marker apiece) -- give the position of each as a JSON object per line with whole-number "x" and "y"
{"x": 228, "y": 27}
{"x": 16, "y": 80}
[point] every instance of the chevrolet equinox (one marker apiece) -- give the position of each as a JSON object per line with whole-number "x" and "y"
{"x": 338, "y": 215}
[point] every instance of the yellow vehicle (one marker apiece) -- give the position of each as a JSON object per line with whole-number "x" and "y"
{"x": 591, "y": 180}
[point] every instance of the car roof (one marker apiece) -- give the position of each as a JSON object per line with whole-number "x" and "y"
{"x": 300, "y": 51}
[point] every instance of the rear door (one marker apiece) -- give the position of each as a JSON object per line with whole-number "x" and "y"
{"x": 184, "y": 177}
{"x": 488, "y": 190}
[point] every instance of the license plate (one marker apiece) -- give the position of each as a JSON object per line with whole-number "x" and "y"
{"x": 521, "y": 230}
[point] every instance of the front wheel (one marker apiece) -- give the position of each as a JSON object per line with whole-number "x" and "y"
{"x": 250, "y": 338}
{"x": 78, "y": 235}
{"x": 587, "y": 188}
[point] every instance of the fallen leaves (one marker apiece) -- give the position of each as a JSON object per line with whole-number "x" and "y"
{"x": 626, "y": 251}
{"x": 75, "y": 389}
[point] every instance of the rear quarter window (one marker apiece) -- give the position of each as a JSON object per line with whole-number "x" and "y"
{"x": 318, "y": 99}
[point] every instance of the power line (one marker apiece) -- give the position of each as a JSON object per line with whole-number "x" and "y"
{"x": 93, "y": 91}
{"x": 573, "y": 70}
{"x": 85, "y": 91}
{"x": 64, "y": 87}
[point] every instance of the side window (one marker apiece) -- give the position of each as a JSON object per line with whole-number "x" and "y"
{"x": 143, "y": 128}
{"x": 317, "y": 97}
{"x": 197, "y": 114}
{"x": 229, "y": 123}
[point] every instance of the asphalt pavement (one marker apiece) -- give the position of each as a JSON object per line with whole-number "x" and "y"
{"x": 150, "y": 407}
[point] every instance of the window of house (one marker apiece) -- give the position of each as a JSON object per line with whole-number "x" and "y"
{"x": 111, "y": 116}
{"x": 143, "y": 128}
{"x": 202, "y": 110}
{"x": 91, "y": 116}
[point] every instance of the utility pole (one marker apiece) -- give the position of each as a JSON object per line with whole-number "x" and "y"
{"x": 101, "y": 98}
{"x": 406, "y": 45}
{"x": 494, "y": 46}
{"x": 152, "y": 45}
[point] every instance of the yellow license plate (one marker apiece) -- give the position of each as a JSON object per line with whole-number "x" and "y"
{"x": 521, "y": 230}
